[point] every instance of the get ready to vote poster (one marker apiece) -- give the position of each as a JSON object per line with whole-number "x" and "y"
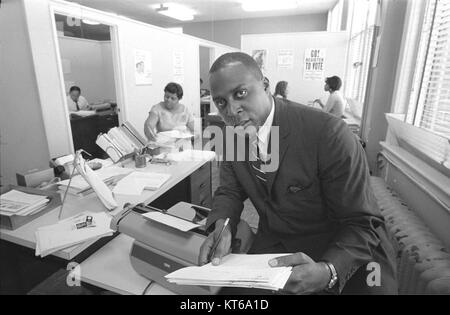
{"x": 314, "y": 63}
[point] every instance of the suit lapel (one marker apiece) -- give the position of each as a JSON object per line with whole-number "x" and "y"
{"x": 279, "y": 120}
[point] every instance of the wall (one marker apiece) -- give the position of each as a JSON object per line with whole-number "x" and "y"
{"x": 228, "y": 32}
{"x": 23, "y": 143}
{"x": 108, "y": 68}
{"x": 382, "y": 81}
{"x": 300, "y": 90}
{"x": 45, "y": 72}
{"x": 91, "y": 67}
{"x": 205, "y": 65}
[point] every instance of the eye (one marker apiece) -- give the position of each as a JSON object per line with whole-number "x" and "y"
{"x": 241, "y": 93}
{"x": 220, "y": 103}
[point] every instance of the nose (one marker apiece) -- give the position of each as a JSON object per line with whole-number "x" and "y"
{"x": 234, "y": 108}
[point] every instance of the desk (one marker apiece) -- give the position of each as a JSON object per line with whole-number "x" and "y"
{"x": 24, "y": 238}
{"x": 24, "y": 235}
{"x": 110, "y": 269}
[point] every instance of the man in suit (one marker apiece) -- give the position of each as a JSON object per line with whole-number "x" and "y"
{"x": 316, "y": 203}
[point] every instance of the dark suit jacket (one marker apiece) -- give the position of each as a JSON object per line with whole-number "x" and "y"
{"x": 319, "y": 201}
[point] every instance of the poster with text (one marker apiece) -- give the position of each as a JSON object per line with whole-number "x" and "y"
{"x": 178, "y": 67}
{"x": 314, "y": 64}
{"x": 285, "y": 58}
{"x": 260, "y": 56}
{"x": 143, "y": 67}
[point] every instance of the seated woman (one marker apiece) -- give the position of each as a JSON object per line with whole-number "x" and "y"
{"x": 281, "y": 89}
{"x": 336, "y": 102}
{"x": 169, "y": 114}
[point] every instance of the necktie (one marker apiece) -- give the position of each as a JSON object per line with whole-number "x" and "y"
{"x": 76, "y": 103}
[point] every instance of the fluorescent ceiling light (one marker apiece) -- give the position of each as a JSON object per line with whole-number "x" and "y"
{"x": 268, "y": 5}
{"x": 176, "y": 11}
{"x": 90, "y": 22}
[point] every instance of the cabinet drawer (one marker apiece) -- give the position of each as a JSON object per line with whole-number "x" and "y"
{"x": 202, "y": 172}
{"x": 198, "y": 188}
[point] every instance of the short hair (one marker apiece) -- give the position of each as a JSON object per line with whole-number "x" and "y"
{"x": 75, "y": 88}
{"x": 174, "y": 88}
{"x": 280, "y": 89}
{"x": 237, "y": 57}
{"x": 334, "y": 83}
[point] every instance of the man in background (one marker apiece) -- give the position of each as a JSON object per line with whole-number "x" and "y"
{"x": 76, "y": 101}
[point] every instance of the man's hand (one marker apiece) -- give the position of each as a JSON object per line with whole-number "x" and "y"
{"x": 307, "y": 275}
{"x": 223, "y": 248}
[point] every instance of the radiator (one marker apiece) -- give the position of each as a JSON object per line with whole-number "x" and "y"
{"x": 423, "y": 263}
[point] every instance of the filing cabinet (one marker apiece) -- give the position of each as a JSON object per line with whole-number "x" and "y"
{"x": 195, "y": 189}
{"x": 200, "y": 186}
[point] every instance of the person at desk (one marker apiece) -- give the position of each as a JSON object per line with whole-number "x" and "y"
{"x": 281, "y": 90}
{"x": 336, "y": 102}
{"x": 76, "y": 101}
{"x": 316, "y": 202}
{"x": 169, "y": 114}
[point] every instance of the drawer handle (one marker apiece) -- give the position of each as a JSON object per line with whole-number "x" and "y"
{"x": 202, "y": 185}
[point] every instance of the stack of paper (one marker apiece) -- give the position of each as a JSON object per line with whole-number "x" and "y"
{"x": 235, "y": 270}
{"x": 16, "y": 202}
{"x": 136, "y": 182}
{"x": 52, "y": 238}
{"x": 80, "y": 187}
{"x": 83, "y": 113}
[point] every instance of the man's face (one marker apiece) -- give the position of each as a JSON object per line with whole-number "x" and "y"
{"x": 74, "y": 95}
{"x": 240, "y": 97}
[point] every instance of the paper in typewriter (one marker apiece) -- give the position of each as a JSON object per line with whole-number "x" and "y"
{"x": 235, "y": 270}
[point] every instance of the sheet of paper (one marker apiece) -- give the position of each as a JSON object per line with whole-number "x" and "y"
{"x": 136, "y": 182}
{"x": 177, "y": 134}
{"x": 52, "y": 238}
{"x": 236, "y": 270}
{"x": 170, "y": 220}
{"x": 104, "y": 173}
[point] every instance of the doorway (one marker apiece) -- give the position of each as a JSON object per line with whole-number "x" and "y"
{"x": 88, "y": 70}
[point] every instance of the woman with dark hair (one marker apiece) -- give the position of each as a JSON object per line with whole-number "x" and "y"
{"x": 281, "y": 89}
{"x": 336, "y": 102}
{"x": 169, "y": 114}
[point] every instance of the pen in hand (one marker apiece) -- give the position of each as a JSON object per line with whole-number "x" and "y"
{"x": 216, "y": 243}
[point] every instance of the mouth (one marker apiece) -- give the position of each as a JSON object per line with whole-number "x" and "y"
{"x": 244, "y": 123}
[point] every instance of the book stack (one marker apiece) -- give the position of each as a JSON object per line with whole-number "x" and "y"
{"x": 19, "y": 203}
{"x": 120, "y": 142}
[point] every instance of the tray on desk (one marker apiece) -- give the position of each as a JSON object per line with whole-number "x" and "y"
{"x": 16, "y": 221}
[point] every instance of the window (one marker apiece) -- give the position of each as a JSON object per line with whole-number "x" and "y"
{"x": 360, "y": 48}
{"x": 429, "y": 102}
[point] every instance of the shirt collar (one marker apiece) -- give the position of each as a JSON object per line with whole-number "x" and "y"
{"x": 264, "y": 130}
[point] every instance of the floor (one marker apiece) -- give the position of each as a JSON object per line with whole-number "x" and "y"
{"x": 56, "y": 283}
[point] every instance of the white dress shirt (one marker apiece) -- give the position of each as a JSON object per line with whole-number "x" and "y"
{"x": 264, "y": 133}
{"x": 82, "y": 104}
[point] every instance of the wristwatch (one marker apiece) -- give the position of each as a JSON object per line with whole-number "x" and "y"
{"x": 334, "y": 276}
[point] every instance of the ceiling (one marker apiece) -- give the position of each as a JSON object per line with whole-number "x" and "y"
{"x": 207, "y": 10}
